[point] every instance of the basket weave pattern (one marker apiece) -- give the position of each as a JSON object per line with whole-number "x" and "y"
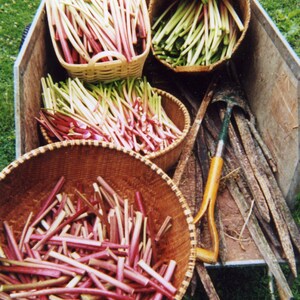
{"x": 24, "y": 183}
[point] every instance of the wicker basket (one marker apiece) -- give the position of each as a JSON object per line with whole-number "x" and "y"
{"x": 23, "y": 184}
{"x": 156, "y": 7}
{"x": 103, "y": 71}
{"x": 178, "y": 113}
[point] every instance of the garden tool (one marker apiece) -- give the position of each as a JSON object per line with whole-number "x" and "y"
{"x": 230, "y": 94}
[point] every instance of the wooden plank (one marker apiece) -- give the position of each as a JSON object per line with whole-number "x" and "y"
{"x": 28, "y": 67}
{"x": 271, "y": 80}
{"x": 262, "y": 243}
{"x": 35, "y": 59}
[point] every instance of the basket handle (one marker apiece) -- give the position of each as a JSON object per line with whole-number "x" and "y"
{"x": 107, "y": 53}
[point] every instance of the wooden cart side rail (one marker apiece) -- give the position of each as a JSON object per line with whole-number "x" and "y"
{"x": 22, "y": 80}
{"x": 271, "y": 78}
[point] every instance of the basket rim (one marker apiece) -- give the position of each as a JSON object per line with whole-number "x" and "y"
{"x": 153, "y": 155}
{"x": 210, "y": 67}
{"x": 182, "y": 201}
{"x": 187, "y": 121}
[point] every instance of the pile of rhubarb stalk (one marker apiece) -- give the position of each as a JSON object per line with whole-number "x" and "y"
{"x": 103, "y": 30}
{"x": 86, "y": 245}
{"x": 128, "y": 113}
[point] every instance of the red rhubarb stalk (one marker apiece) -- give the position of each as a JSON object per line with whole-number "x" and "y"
{"x": 24, "y": 231}
{"x": 109, "y": 189}
{"x": 150, "y": 229}
{"x": 57, "y": 291}
{"x": 120, "y": 272}
{"x": 12, "y": 241}
{"x": 69, "y": 220}
{"x": 99, "y": 274}
{"x": 129, "y": 273}
{"x": 168, "y": 275}
{"x": 30, "y": 270}
{"x": 65, "y": 269}
{"x": 96, "y": 281}
{"x": 158, "y": 277}
{"x": 4, "y": 296}
{"x": 8, "y": 279}
{"x": 50, "y": 198}
{"x": 101, "y": 254}
{"x": 63, "y": 42}
{"x": 164, "y": 227}
{"x": 135, "y": 237}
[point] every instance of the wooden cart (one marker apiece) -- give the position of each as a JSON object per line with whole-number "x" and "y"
{"x": 270, "y": 73}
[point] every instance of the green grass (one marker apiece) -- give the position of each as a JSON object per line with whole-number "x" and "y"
{"x": 231, "y": 283}
{"x": 286, "y": 15}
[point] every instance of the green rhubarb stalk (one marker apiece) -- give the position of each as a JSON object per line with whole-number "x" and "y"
{"x": 195, "y": 21}
{"x": 185, "y": 19}
{"x": 200, "y": 31}
{"x": 185, "y": 31}
{"x": 226, "y": 19}
{"x": 198, "y": 51}
{"x": 157, "y": 22}
{"x": 171, "y": 23}
{"x": 217, "y": 15}
{"x": 205, "y": 9}
{"x": 45, "y": 93}
{"x": 211, "y": 14}
{"x": 234, "y": 15}
{"x": 231, "y": 44}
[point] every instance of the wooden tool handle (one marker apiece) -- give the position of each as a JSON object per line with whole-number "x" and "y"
{"x": 209, "y": 201}
{"x": 205, "y": 255}
{"x": 212, "y": 185}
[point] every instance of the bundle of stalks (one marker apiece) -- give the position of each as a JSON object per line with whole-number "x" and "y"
{"x": 94, "y": 244}
{"x": 249, "y": 177}
{"x": 278, "y": 236}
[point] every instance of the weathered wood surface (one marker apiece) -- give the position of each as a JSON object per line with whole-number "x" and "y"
{"x": 262, "y": 243}
{"x": 29, "y": 67}
{"x": 255, "y": 168}
{"x": 271, "y": 79}
{"x": 35, "y": 60}
{"x": 192, "y": 135}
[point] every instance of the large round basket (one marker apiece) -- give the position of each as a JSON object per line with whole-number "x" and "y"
{"x": 157, "y": 7}
{"x": 179, "y": 114}
{"x": 25, "y": 182}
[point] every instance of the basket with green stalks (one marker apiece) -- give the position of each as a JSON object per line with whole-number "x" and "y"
{"x": 197, "y": 36}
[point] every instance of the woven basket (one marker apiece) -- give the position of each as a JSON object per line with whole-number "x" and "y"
{"x": 25, "y": 182}
{"x": 178, "y": 113}
{"x": 103, "y": 71}
{"x": 156, "y": 8}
